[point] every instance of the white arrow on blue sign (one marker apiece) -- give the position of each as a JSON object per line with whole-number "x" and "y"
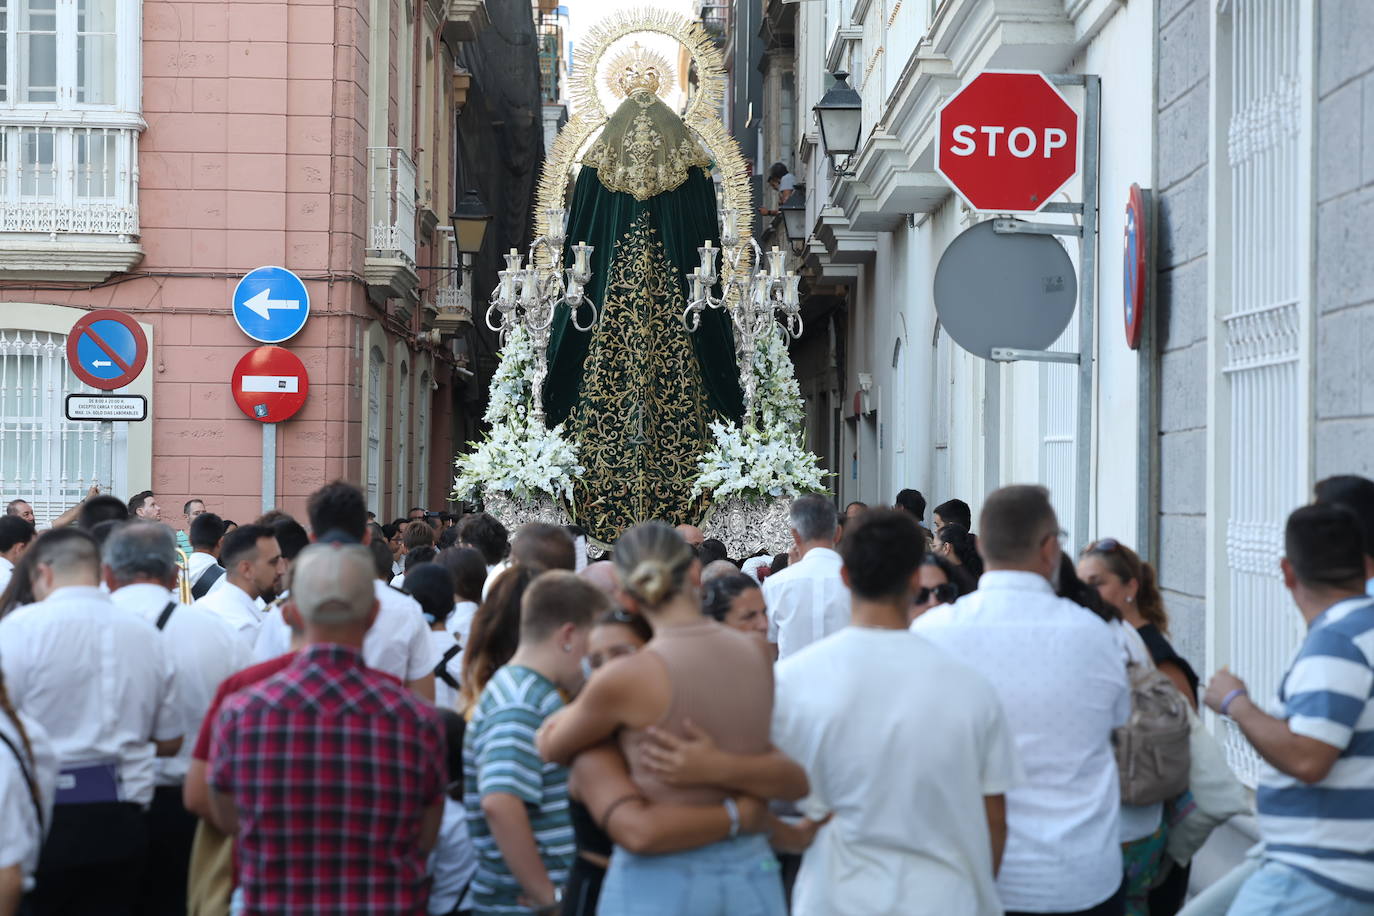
{"x": 271, "y": 304}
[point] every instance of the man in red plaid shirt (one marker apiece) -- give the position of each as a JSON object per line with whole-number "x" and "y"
{"x": 331, "y": 774}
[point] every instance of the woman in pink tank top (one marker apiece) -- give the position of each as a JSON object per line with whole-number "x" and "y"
{"x": 696, "y": 671}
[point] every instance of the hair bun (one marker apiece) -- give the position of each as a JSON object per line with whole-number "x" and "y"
{"x": 651, "y": 581}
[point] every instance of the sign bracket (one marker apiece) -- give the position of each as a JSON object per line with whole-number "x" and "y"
{"x": 1017, "y": 227}
{"x": 1012, "y": 355}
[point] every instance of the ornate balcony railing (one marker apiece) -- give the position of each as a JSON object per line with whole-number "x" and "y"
{"x": 391, "y": 204}
{"x": 68, "y": 180}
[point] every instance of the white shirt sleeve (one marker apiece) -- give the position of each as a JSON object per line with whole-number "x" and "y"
{"x": 1001, "y": 764}
{"x": 167, "y": 724}
{"x": 20, "y": 839}
{"x": 423, "y": 657}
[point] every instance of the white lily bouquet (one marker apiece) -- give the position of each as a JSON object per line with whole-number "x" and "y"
{"x": 767, "y": 460}
{"x": 520, "y": 456}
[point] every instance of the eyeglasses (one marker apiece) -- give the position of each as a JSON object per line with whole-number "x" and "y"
{"x": 944, "y": 594}
{"x": 620, "y": 615}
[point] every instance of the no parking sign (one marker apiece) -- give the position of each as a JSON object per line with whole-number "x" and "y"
{"x": 107, "y": 349}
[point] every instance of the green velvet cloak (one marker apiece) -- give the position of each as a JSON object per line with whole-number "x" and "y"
{"x": 685, "y": 218}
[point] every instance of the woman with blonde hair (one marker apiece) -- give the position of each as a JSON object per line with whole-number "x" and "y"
{"x": 700, "y": 680}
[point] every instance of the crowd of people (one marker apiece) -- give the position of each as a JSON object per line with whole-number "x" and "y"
{"x": 441, "y": 716}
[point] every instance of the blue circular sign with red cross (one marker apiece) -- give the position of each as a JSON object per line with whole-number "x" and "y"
{"x": 107, "y": 349}
{"x": 1135, "y": 262}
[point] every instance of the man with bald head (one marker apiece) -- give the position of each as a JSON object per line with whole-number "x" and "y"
{"x": 285, "y": 754}
{"x": 693, "y": 535}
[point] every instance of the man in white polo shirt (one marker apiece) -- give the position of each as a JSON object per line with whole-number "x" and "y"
{"x": 98, "y": 680}
{"x": 398, "y": 642}
{"x": 15, "y": 537}
{"x": 808, "y": 600}
{"x": 907, "y": 749}
{"x": 140, "y": 569}
{"x": 1057, "y": 669}
{"x": 253, "y": 566}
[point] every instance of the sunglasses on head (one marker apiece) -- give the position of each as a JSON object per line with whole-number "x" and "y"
{"x": 1106, "y": 545}
{"x": 944, "y": 594}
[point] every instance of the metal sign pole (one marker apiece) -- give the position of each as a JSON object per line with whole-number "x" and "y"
{"x": 269, "y": 466}
{"x": 1087, "y": 332}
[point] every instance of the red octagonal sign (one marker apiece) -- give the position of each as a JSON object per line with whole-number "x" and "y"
{"x": 1007, "y": 142}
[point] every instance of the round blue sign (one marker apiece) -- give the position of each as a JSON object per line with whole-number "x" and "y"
{"x": 270, "y": 304}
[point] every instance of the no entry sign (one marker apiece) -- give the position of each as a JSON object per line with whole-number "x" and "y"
{"x": 1007, "y": 142}
{"x": 270, "y": 384}
{"x": 107, "y": 349}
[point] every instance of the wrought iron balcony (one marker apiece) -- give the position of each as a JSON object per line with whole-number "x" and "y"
{"x": 68, "y": 199}
{"x": 390, "y": 261}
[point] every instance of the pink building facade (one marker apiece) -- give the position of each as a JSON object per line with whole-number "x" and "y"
{"x": 151, "y": 153}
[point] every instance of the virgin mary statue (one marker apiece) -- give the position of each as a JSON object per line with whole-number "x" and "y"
{"x": 639, "y": 391}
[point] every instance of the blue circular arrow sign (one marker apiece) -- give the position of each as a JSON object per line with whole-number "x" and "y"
{"x": 270, "y": 304}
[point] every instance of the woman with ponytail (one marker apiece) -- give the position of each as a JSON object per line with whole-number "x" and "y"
{"x": 28, "y": 782}
{"x": 1128, "y": 585}
{"x": 692, "y": 710}
{"x": 954, "y": 543}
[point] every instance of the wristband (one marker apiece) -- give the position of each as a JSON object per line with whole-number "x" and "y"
{"x": 732, "y": 809}
{"x": 1230, "y": 697}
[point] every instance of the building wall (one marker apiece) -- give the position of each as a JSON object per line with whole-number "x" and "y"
{"x": 259, "y": 121}
{"x": 1181, "y": 177}
{"x": 1345, "y": 272}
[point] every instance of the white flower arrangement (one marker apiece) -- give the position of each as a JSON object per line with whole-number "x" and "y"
{"x": 520, "y": 456}
{"x": 766, "y": 460}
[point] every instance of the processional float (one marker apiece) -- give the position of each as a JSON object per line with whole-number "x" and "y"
{"x": 644, "y": 370}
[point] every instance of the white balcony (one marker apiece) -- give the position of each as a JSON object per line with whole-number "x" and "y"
{"x": 464, "y": 19}
{"x": 390, "y": 262}
{"x": 68, "y": 200}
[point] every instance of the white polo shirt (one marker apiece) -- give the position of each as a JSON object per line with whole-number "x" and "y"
{"x": 197, "y": 563}
{"x": 806, "y": 602}
{"x": 96, "y": 677}
{"x": 398, "y": 641}
{"x": 21, "y": 840}
{"x": 235, "y": 607}
{"x": 1059, "y": 672}
{"x": 901, "y": 743}
{"x": 6, "y": 573}
{"x": 203, "y": 650}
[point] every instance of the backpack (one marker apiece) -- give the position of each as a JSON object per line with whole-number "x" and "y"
{"x": 1152, "y": 754}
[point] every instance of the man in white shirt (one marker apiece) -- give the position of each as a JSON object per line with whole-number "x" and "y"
{"x": 140, "y": 569}
{"x": 485, "y": 534}
{"x": 202, "y": 565}
{"x": 398, "y": 642}
{"x": 1058, "y": 670}
{"x": 15, "y": 537}
{"x": 253, "y": 566}
{"x": 97, "y": 678}
{"x": 906, "y": 749}
{"x": 808, "y": 600}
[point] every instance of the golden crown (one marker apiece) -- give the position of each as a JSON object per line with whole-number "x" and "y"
{"x": 638, "y": 68}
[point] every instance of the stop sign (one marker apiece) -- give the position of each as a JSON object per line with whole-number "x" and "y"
{"x": 1007, "y": 142}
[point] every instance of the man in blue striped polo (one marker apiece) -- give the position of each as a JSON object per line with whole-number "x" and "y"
{"x": 1316, "y": 807}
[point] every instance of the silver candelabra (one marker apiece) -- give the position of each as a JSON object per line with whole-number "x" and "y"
{"x": 752, "y": 297}
{"x": 527, "y": 295}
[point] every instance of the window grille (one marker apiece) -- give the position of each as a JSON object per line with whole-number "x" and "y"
{"x": 45, "y": 458}
{"x": 1262, "y": 105}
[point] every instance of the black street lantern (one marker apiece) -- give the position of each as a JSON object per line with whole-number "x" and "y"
{"x": 794, "y": 215}
{"x": 470, "y": 223}
{"x": 840, "y": 112}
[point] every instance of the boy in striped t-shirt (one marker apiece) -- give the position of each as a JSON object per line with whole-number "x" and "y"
{"x": 1316, "y": 810}
{"x": 517, "y": 805}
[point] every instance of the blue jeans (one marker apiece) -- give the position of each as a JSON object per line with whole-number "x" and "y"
{"x": 737, "y": 877}
{"x": 1281, "y": 890}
